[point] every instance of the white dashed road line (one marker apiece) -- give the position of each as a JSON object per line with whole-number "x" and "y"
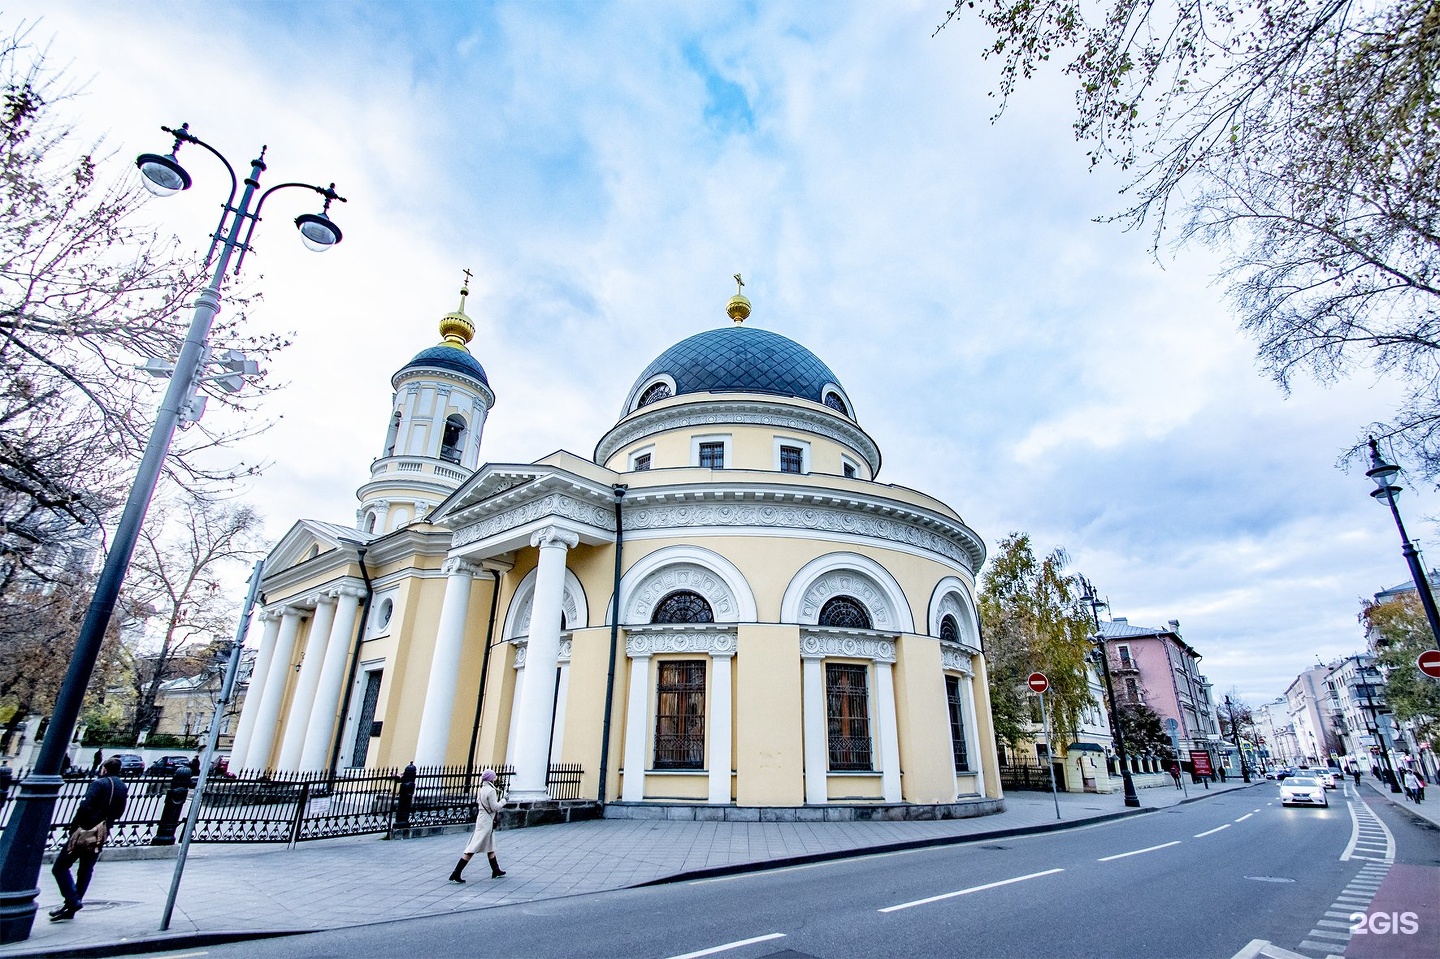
{"x": 729, "y": 945}
{"x": 1136, "y": 852}
{"x": 1246, "y": 816}
{"x": 966, "y": 892}
{"x": 1210, "y": 832}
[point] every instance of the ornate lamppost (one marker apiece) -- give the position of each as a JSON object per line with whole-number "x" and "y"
{"x": 23, "y": 842}
{"x": 1090, "y": 599}
{"x": 1386, "y": 491}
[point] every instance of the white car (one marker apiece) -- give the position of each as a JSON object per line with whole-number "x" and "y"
{"x": 1326, "y": 777}
{"x": 1303, "y": 791}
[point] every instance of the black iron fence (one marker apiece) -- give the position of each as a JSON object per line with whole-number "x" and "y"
{"x": 295, "y": 807}
{"x": 1026, "y": 776}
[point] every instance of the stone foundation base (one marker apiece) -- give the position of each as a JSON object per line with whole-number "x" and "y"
{"x": 869, "y": 812}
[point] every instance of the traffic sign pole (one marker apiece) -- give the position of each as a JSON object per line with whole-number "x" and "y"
{"x": 1039, "y": 683}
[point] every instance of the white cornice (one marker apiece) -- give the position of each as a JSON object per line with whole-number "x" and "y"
{"x": 704, "y": 410}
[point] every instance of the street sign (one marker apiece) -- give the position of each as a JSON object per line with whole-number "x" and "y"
{"x": 1429, "y": 663}
{"x": 1038, "y": 683}
{"x": 1200, "y": 762}
{"x": 1171, "y": 725}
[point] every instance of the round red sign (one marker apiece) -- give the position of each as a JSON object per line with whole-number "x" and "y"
{"x": 1429, "y": 663}
{"x": 1038, "y": 682}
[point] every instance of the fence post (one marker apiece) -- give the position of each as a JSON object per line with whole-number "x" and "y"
{"x": 300, "y": 808}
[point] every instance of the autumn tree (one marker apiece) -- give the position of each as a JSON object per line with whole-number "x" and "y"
{"x": 1033, "y": 621}
{"x": 1144, "y": 731}
{"x": 175, "y": 596}
{"x": 1297, "y": 136}
{"x": 1398, "y": 633}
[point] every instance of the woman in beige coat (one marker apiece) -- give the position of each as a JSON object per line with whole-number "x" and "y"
{"x": 483, "y": 838}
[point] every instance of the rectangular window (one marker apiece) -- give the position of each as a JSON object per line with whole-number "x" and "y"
{"x": 712, "y": 456}
{"x": 850, "y": 470}
{"x": 642, "y": 462}
{"x": 790, "y": 459}
{"x": 957, "y": 723}
{"x": 1124, "y": 652}
{"x": 1132, "y": 691}
{"x": 847, "y": 711}
{"x": 680, "y": 715}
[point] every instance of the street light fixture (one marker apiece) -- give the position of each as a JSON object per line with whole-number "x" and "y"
{"x": 1386, "y": 491}
{"x": 1089, "y": 598}
{"x": 23, "y": 843}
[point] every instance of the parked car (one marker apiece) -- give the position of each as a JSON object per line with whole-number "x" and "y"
{"x": 166, "y": 765}
{"x": 1303, "y": 791}
{"x": 131, "y": 764}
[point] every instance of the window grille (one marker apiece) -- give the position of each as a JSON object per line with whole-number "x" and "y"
{"x": 847, "y": 711}
{"x": 834, "y": 401}
{"x": 846, "y": 612}
{"x": 957, "y": 723}
{"x": 712, "y": 455}
{"x": 654, "y": 394}
{"x": 949, "y": 631}
{"x": 680, "y": 715}
{"x": 791, "y": 459}
{"x": 451, "y": 440}
{"x": 642, "y": 462}
{"x": 683, "y": 606}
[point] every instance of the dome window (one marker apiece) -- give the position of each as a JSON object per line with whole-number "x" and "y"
{"x": 654, "y": 394}
{"x": 683, "y": 606}
{"x": 452, "y": 442}
{"x": 833, "y": 400}
{"x": 845, "y": 612}
{"x": 949, "y": 630}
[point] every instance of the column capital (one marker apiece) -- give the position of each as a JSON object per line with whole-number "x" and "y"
{"x": 554, "y": 536}
{"x": 455, "y": 566}
{"x": 346, "y": 589}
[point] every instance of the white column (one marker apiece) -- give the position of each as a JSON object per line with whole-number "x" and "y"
{"x": 276, "y": 677}
{"x": 972, "y": 732}
{"x": 637, "y": 725}
{"x": 720, "y": 707}
{"x": 255, "y": 691}
{"x": 532, "y": 741}
{"x": 445, "y": 664}
{"x": 887, "y": 724}
{"x": 297, "y": 721}
{"x": 318, "y": 738}
{"x": 515, "y": 706}
{"x": 817, "y": 749}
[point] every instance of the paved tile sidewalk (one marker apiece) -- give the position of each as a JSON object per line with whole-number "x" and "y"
{"x": 346, "y": 882}
{"x": 1429, "y": 809}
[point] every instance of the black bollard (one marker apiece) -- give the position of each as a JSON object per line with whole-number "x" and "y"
{"x": 174, "y": 802}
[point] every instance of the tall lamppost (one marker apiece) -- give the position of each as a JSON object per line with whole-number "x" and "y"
{"x": 1235, "y": 737}
{"x": 1090, "y": 599}
{"x": 1386, "y": 491}
{"x": 23, "y": 842}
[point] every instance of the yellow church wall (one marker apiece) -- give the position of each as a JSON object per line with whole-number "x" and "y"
{"x": 407, "y": 672}
{"x": 923, "y": 721}
{"x": 769, "y": 743}
{"x": 854, "y": 787}
{"x": 985, "y": 735}
{"x": 585, "y": 705}
{"x": 676, "y": 786}
{"x": 499, "y": 701}
{"x": 472, "y": 655}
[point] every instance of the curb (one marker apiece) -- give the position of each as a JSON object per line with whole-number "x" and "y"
{"x": 131, "y": 947}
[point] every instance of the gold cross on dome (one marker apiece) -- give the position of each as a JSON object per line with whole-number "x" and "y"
{"x": 739, "y": 284}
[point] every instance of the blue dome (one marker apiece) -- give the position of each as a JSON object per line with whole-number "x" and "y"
{"x": 448, "y": 358}
{"x": 740, "y": 359}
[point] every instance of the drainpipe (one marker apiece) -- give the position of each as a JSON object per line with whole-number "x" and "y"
{"x": 484, "y": 671}
{"x": 619, "y": 491}
{"x": 354, "y": 659}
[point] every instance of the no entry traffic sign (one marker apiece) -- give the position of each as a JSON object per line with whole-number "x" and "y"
{"x": 1428, "y": 663}
{"x": 1038, "y": 683}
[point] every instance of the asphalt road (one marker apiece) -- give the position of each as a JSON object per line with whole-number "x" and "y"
{"x": 1199, "y": 880}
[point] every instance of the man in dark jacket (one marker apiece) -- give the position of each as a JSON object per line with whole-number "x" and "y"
{"x": 104, "y": 802}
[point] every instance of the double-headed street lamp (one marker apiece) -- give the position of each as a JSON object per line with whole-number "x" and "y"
{"x": 23, "y": 842}
{"x": 1386, "y": 491}
{"x": 1090, "y": 599}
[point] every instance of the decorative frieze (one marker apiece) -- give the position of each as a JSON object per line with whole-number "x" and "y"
{"x": 712, "y": 642}
{"x": 522, "y": 646}
{"x": 821, "y": 645}
{"x": 954, "y": 657}
{"x": 554, "y": 504}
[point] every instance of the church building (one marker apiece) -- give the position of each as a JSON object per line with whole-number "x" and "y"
{"x": 721, "y": 606}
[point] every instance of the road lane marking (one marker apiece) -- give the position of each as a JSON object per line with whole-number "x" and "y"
{"x": 730, "y": 945}
{"x": 966, "y": 892}
{"x": 1210, "y": 832}
{"x": 1246, "y": 816}
{"x": 1137, "y": 852}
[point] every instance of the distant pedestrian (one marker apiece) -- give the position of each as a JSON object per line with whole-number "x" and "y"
{"x": 103, "y": 804}
{"x": 1413, "y": 784}
{"x": 96, "y": 760}
{"x": 1175, "y": 774}
{"x": 483, "y": 838}
{"x": 1355, "y": 771}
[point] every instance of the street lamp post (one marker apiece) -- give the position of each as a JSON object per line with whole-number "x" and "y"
{"x": 1090, "y": 599}
{"x": 1386, "y": 491}
{"x": 1235, "y": 737}
{"x": 1391, "y": 779}
{"x": 23, "y": 843}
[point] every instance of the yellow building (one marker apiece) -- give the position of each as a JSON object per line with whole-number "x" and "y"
{"x": 722, "y": 607}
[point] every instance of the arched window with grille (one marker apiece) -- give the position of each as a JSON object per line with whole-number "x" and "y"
{"x": 683, "y": 606}
{"x": 949, "y": 630}
{"x": 846, "y": 612}
{"x": 834, "y": 401}
{"x": 654, "y": 394}
{"x": 452, "y": 442}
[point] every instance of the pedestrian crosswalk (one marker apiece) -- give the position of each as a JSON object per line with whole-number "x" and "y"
{"x": 1372, "y": 843}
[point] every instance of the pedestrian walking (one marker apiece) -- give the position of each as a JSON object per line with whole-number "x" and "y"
{"x": 96, "y": 760}
{"x": 483, "y": 838}
{"x": 103, "y": 804}
{"x": 1356, "y": 773}
{"x": 1175, "y": 774}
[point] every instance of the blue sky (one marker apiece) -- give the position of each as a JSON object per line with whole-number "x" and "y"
{"x": 605, "y": 168}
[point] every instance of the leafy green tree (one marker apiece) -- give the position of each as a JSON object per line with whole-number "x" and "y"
{"x": 1144, "y": 731}
{"x": 1398, "y": 632}
{"x": 1299, "y": 136}
{"x": 1033, "y": 621}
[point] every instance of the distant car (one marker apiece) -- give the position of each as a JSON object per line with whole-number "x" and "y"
{"x": 166, "y": 765}
{"x": 1303, "y": 791}
{"x": 1284, "y": 772}
{"x": 131, "y": 764}
{"x": 1327, "y": 777}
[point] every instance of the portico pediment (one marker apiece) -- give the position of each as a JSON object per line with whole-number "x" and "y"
{"x": 498, "y": 507}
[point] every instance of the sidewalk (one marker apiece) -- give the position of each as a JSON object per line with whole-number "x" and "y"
{"x": 1428, "y": 810}
{"x": 251, "y": 890}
